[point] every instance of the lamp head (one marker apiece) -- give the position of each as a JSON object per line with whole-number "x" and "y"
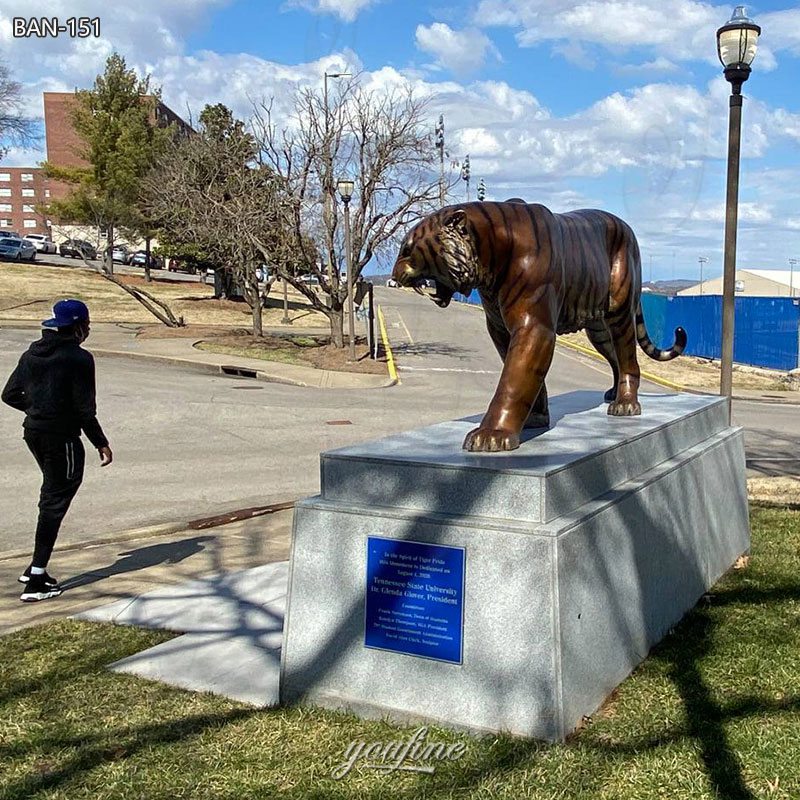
{"x": 737, "y": 41}
{"x": 345, "y": 189}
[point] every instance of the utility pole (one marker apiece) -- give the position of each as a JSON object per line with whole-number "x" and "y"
{"x": 481, "y": 190}
{"x": 702, "y": 260}
{"x": 793, "y": 262}
{"x": 440, "y": 147}
{"x": 465, "y": 173}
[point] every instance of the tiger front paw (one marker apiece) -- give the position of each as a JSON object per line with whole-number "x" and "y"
{"x": 625, "y": 408}
{"x": 487, "y": 440}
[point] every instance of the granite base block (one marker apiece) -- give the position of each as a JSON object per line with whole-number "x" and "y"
{"x": 556, "y": 612}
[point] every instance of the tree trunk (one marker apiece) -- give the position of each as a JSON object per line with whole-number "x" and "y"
{"x": 109, "y": 260}
{"x": 258, "y": 328}
{"x": 147, "y": 259}
{"x": 336, "y": 318}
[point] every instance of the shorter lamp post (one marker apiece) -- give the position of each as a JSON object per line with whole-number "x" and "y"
{"x": 737, "y": 41}
{"x": 345, "y": 188}
{"x": 285, "y": 320}
{"x": 702, "y": 260}
{"x": 793, "y": 262}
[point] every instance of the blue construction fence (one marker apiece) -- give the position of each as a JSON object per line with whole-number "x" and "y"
{"x": 767, "y": 331}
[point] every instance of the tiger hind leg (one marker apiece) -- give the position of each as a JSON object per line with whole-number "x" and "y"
{"x": 623, "y": 336}
{"x": 600, "y": 337}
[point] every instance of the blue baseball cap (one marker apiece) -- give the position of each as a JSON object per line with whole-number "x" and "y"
{"x": 66, "y": 313}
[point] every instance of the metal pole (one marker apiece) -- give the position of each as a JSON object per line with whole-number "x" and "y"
{"x": 327, "y": 189}
{"x": 350, "y": 309}
{"x": 373, "y": 350}
{"x": 792, "y": 265}
{"x": 285, "y": 320}
{"x": 702, "y": 260}
{"x": 731, "y": 221}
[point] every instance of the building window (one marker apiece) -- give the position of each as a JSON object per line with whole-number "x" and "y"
{"x": 26, "y": 176}
{"x": 29, "y": 223}
{"x": 5, "y": 223}
{"x": 47, "y": 193}
{"x": 6, "y": 207}
{"x": 5, "y": 176}
{"x": 28, "y": 193}
{"x": 5, "y": 192}
{"x": 28, "y": 209}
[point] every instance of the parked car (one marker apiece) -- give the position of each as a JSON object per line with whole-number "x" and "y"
{"x": 120, "y": 254}
{"x": 10, "y": 234}
{"x": 312, "y": 280}
{"x": 392, "y": 283}
{"x": 77, "y": 248}
{"x": 42, "y": 243}
{"x": 140, "y": 258}
{"x": 17, "y": 249}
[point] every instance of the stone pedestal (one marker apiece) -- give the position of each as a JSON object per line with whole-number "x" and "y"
{"x": 581, "y": 549}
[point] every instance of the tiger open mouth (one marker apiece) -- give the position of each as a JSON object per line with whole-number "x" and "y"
{"x": 442, "y": 296}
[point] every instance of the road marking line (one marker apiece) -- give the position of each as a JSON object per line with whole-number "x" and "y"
{"x": 387, "y": 347}
{"x": 403, "y": 323}
{"x": 450, "y": 369}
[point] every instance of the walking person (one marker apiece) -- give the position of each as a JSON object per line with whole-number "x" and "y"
{"x": 53, "y": 384}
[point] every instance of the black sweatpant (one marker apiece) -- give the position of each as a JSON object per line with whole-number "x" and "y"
{"x": 61, "y": 460}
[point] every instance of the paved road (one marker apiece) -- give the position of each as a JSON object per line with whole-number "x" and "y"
{"x": 189, "y": 444}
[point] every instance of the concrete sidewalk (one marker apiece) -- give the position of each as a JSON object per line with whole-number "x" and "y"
{"x": 119, "y": 339}
{"x": 95, "y": 575}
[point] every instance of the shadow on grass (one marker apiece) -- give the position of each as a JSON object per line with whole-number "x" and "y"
{"x": 92, "y": 751}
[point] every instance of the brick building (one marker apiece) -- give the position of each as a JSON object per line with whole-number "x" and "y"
{"x": 64, "y": 146}
{"x": 22, "y": 192}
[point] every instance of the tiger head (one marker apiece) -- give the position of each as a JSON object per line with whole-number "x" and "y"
{"x": 441, "y": 248}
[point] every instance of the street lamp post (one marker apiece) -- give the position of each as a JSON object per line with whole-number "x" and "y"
{"x": 702, "y": 260}
{"x": 793, "y": 262}
{"x": 328, "y": 187}
{"x": 285, "y": 320}
{"x": 345, "y": 188}
{"x": 737, "y": 41}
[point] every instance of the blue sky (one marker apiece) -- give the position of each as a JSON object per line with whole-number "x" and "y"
{"x": 573, "y": 103}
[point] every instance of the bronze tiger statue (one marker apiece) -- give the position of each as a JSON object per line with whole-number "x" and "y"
{"x": 539, "y": 274}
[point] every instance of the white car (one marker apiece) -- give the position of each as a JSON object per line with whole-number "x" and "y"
{"x": 42, "y": 243}
{"x": 17, "y": 249}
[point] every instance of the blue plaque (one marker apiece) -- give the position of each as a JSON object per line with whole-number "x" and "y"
{"x": 415, "y": 598}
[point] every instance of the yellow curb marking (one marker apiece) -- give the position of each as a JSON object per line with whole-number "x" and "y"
{"x": 387, "y": 348}
{"x": 649, "y": 376}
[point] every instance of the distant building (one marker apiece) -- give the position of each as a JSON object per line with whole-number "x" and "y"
{"x": 22, "y": 191}
{"x": 25, "y": 190}
{"x": 64, "y": 145}
{"x": 754, "y": 283}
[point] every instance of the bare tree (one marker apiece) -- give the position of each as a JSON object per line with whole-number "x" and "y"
{"x": 15, "y": 128}
{"x": 381, "y": 141}
{"x": 211, "y": 190}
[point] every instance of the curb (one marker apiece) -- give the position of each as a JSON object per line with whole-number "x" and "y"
{"x": 164, "y": 528}
{"x": 388, "y": 349}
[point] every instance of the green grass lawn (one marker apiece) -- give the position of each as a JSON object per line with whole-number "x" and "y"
{"x": 713, "y": 713}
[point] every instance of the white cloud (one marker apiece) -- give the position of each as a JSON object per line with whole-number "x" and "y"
{"x": 346, "y": 10}
{"x": 672, "y": 30}
{"x": 460, "y": 52}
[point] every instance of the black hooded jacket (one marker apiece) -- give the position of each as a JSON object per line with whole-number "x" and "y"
{"x": 54, "y": 385}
